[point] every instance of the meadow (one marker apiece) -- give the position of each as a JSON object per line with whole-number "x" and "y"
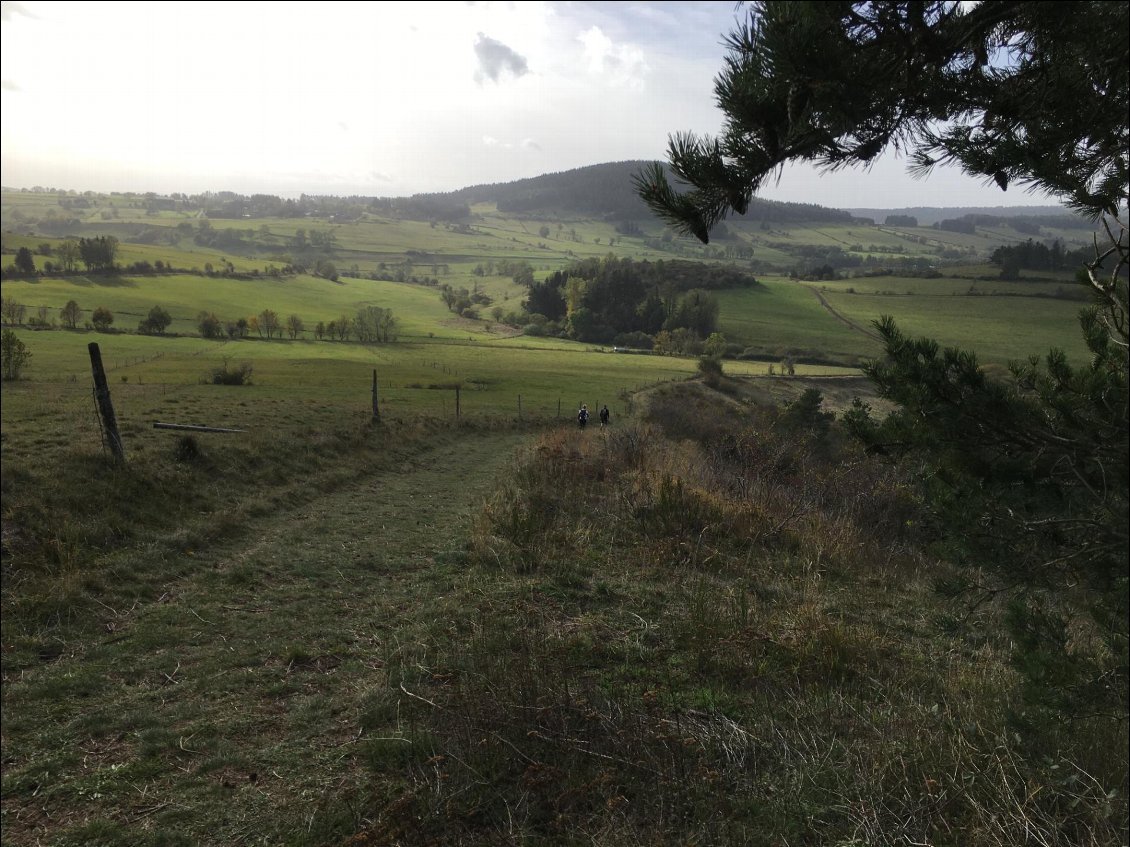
{"x": 710, "y": 623}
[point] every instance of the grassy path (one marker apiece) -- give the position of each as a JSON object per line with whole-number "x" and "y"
{"x": 841, "y": 318}
{"x": 228, "y": 712}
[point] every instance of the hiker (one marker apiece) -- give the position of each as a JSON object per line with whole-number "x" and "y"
{"x": 583, "y": 416}
{"x": 604, "y": 416}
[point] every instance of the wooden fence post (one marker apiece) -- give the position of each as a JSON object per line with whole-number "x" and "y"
{"x": 105, "y": 407}
{"x": 376, "y": 406}
{"x": 457, "y": 400}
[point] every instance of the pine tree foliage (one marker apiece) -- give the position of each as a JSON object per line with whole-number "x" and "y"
{"x": 1030, "y": 483}
{"x": 1028, "y": 477}
{"x": 1018, "y": 93}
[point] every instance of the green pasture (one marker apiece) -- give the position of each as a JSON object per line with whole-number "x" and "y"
{"x": 770, "y": 255}
{"x": 1048, "y": 285}
{"x": 415, "y": 377}
{"x": 369, "y": 242}
{"x": 418, "y": 309}
{"x": 786, "y": 318}
{"x": 997, "y": 328}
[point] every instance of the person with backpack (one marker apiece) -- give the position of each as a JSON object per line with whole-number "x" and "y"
{"x": 583, "y": 416}
{"x": 604, "y": 415}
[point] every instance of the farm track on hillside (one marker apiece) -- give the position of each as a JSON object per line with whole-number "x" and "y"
{"x": 844, "y": 320}
{"x": 230, "y": 711}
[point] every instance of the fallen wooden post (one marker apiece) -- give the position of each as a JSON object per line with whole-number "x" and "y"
{"x": 191, "y": 428}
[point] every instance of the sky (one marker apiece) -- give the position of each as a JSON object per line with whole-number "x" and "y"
{"x": 380, "y": 99}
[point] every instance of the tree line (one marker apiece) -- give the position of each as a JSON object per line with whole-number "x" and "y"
{"x": 369, "y": 325}
{"x": 1037, "y": 256}
{"x": 626, "y": 302}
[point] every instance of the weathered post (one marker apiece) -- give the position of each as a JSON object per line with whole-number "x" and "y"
{"x": 105, "y": 407}
{"x": 456, "y": 400}
{"x": 376, "y": 405}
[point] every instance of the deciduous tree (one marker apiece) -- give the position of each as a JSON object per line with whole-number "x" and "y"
{"x": 69, "y": 254}
{"x": 25, "y": 261}
{"x": 70, "y": 314}
{"x": 210, "y": 326}
{"x": 269, "y": 322}
{"x": 13, "y": 310}
{"x": 14, "y": 355}
{"x": 294, "y": 326}
{"x": 156, "y": 322}
{"x": 102, "y": 318}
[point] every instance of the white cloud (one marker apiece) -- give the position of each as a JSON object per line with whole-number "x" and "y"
{"x": 618, "y": 64}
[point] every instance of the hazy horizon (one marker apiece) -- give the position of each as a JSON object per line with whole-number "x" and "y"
{"x": 298, "y": 194}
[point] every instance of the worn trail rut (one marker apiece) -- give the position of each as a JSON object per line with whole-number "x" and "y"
{"x": 230, "y": 711}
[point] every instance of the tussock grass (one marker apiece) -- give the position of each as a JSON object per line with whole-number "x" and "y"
{"x": 713, "y": 627}
{"x": 713, "y": 622}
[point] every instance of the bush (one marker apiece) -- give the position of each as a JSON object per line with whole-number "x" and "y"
{"x": 223, "y": 375}
{"x": 102, "y": 318}
{"x": 156, "y": 322}
{"x": 636, "y": 340}
{"x": 14, "y": 355}
{"x": 805, "y": 414}
{"x": 187, "y": 449}
{"x": 711, "y": 370}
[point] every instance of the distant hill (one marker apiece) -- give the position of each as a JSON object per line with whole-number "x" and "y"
{"x": 930, "y": 215}
{"x": 603, "y": 191}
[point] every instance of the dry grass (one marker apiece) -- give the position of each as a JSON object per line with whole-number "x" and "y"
{"x": 702, "y": 626}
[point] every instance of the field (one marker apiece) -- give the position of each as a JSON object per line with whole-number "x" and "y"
{"x": 477, "y": 624}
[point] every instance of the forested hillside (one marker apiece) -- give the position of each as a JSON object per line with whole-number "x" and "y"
{"x": 605, "y": 190}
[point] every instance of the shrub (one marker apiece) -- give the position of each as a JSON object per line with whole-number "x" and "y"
{"x": 14, "y": 355}
{"x": 711, "y": 370}
{"x": 187, "y": 449}
{"x": 223, "y": 375}
{"x": 805, "y": 414}
{"x": 102, "y": 318}
{"x": 636, "y": 340}
{"x": 156, "y": 322}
